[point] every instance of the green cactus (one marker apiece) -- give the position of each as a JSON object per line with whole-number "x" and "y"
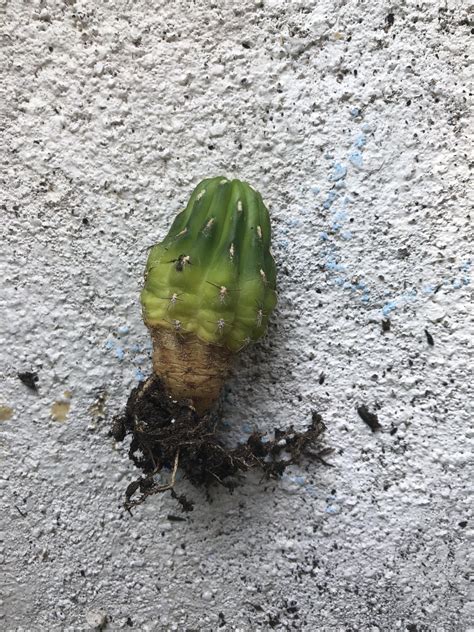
{"x": 213, "y": 274}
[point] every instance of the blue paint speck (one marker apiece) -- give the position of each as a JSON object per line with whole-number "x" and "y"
{"x": 338, "y": 173}
{"x": 355, "y": 158}
{"x": 314, "y": 189}
{"x": 457, "y": 283}
{"x": 299, "y": 480}
{"x": 354, "y": 112}
{"x": 389, "y": 307}
{"x": 110, "y": 344}
{"x": 410, "y": 296}
{"x": 332, "y": 509}
{"x": 119, "y": 353}
{"x": 340, "y": 215}
{"x": 139, "y": 376}
{"x": 123, "y": 330}
{"x": 346, "y": 234}
{"x": 329, "y": 200}
{"x": 332, "y": 265}
{"x": 323, "y": 236}
{"x": 360, "y": 141}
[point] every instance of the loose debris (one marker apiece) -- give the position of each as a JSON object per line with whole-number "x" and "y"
{"x": 370, "y": 419}
{"x": 386, "y": 324}
{"x": 169, "y": 434}
{"x": 429, "y": 338}
{"x": 29, "y": 379}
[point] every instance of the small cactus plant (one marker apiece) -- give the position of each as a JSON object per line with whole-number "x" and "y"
{"x": 209, "y": 288}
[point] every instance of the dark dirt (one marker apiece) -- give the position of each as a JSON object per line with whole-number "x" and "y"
{"x": 29, "y": 379}
{"x": 369, "y": 418}
{"x": 167, "y": 434}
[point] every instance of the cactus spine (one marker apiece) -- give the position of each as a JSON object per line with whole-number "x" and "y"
{"x": 209, "y": 288}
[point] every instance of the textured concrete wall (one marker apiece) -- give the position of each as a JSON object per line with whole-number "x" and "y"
{"x": 351, "y": 118}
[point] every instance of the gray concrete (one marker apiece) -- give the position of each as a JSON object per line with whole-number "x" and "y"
{"x": 351, "y": 118}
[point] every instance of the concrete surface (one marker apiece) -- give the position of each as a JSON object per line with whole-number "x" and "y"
{"x": 351, "y": 118}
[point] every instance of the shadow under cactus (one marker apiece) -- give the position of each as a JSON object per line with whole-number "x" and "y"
{"x": 169, "y": 434}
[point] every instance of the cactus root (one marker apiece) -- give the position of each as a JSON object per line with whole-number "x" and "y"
{"x": 167, "y": 434}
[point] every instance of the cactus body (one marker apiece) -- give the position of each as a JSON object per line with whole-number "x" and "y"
{"x": 212, "y": 278}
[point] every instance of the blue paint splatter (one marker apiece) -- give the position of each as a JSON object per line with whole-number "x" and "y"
{"x": 299, "y": 480}
{"x": 354, "y": 112}
{"x": 123, "y": 330}
{"x": 332, "y": 265}
{"x": 410, "y": 296}
{"x": 360, "y": 141}
{"x": 139, "y": 376}
{"x": 110, "y": 344}
{"x": 119, "y": 353}
{"x": 389, "y": 307}
{"x": 323, "y": 236}
{"x": 314, "y": 189}
{"x": 340, "y": 215}
{"x": 329, "y": 200}
{"x": 339, "y": 172}
{"x": 355, "y": 158}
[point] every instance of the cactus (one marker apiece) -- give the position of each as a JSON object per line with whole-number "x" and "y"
{"x": 209, "y": 288}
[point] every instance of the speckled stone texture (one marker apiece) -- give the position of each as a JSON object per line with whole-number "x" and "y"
{"x": 351, "y": 118}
